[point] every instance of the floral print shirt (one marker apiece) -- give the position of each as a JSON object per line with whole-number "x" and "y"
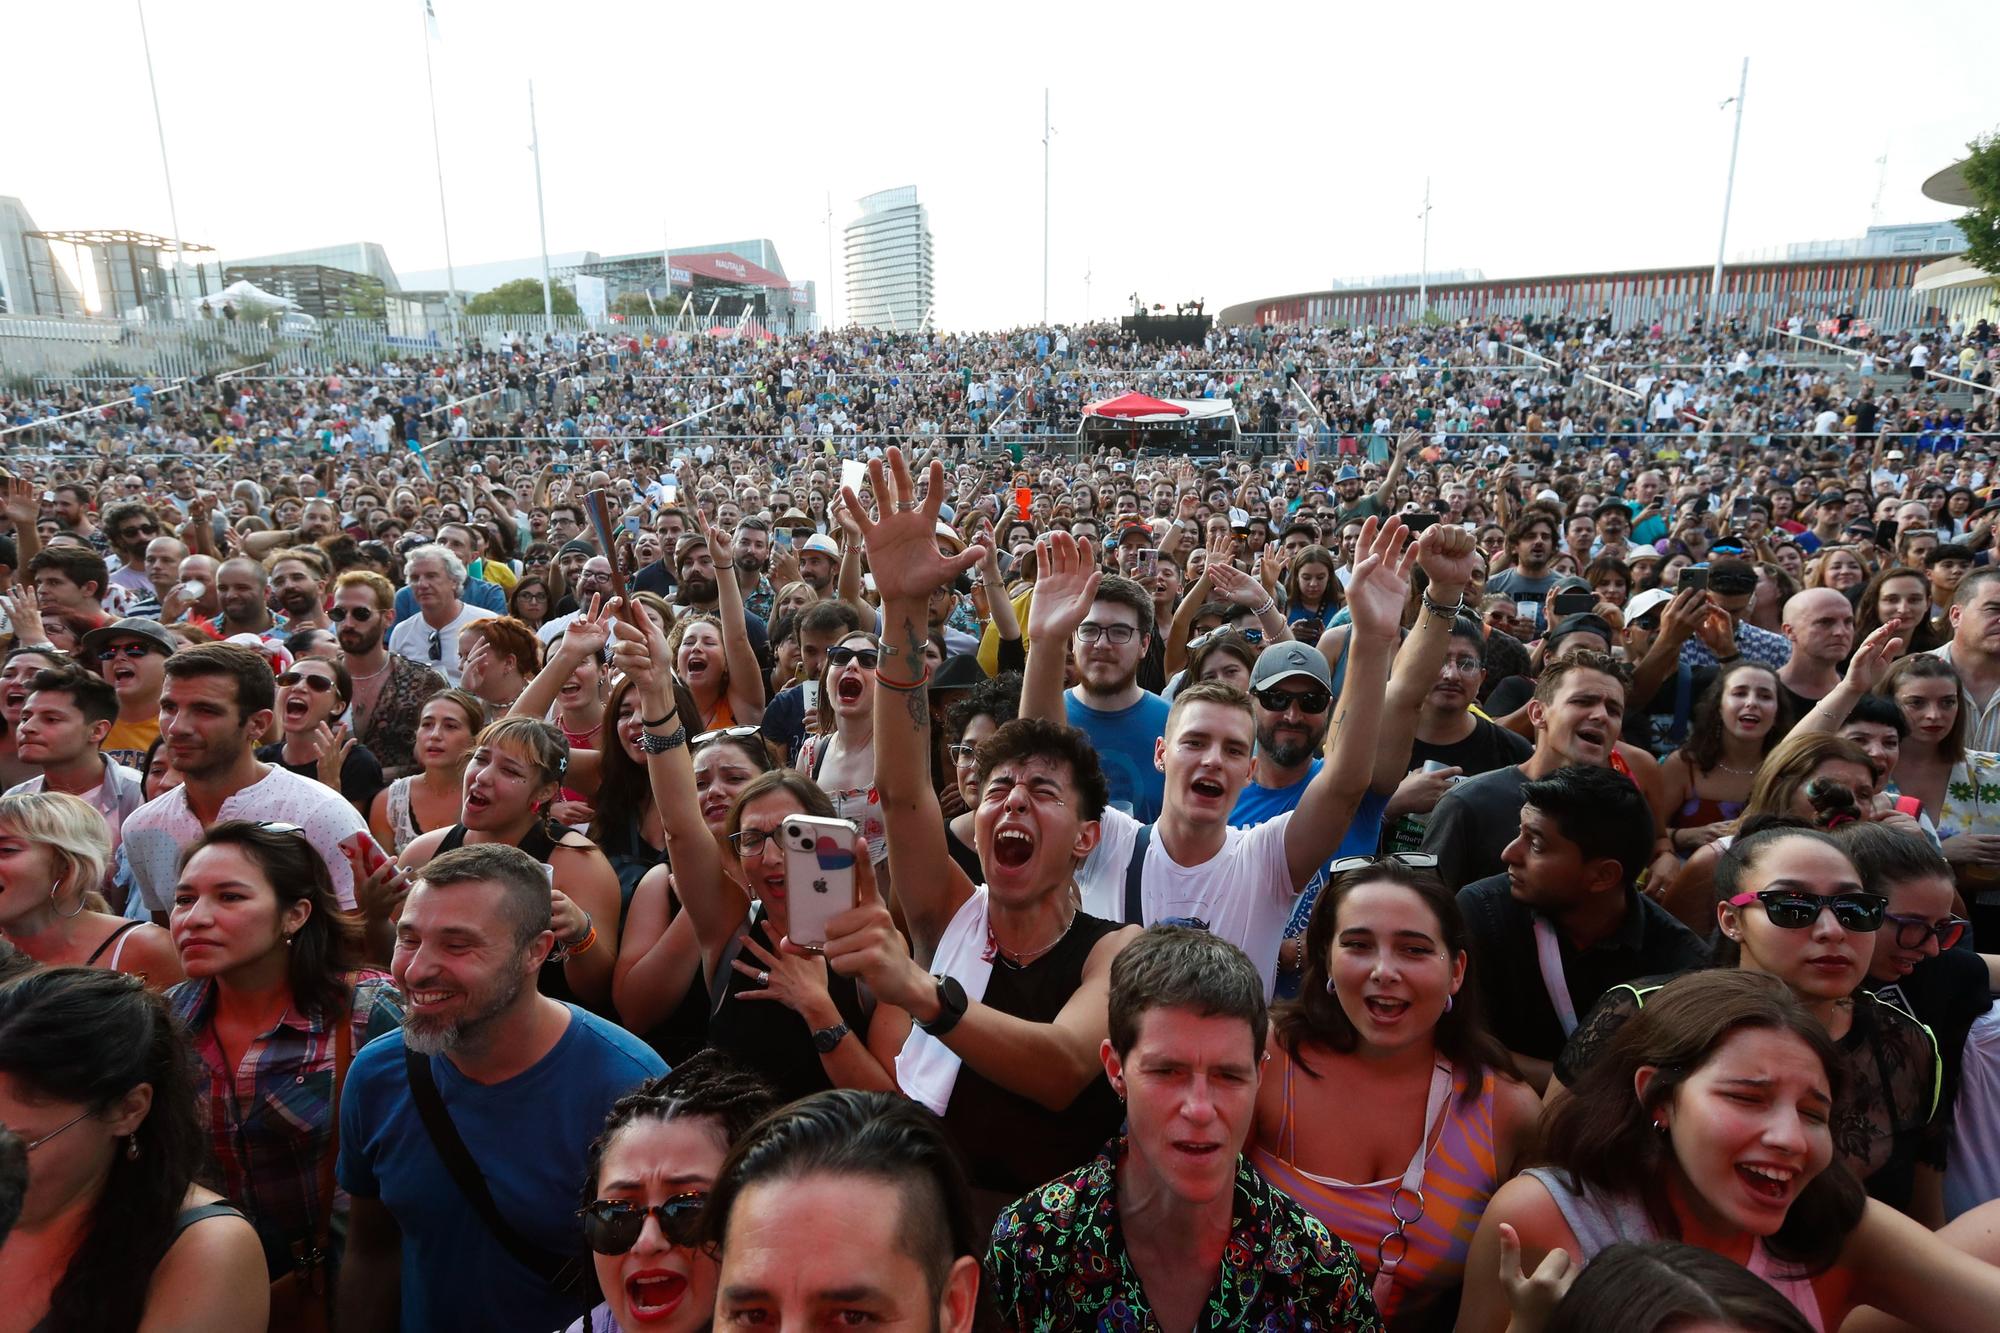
{"x": 1058, "y": 1262}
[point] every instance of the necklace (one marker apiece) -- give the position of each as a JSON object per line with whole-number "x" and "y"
{"x": 1740, "y": 772}
{"x": 1017, "y": 961}
{"x": 376, "y": 674}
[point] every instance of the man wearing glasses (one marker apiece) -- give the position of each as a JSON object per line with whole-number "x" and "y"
{"x": 389, "y": 690}
{"x": 1122, "y": 720}
{"x": 132, "y": 525}
{"x": 430, "y": 639}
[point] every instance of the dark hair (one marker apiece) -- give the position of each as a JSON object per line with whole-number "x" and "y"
{"x": 1705, "y": 730}
{"x": 88, "y": 1036}
{"x": 1868, "y": 610}
{"x": 256, "y": 688}
{"x": 1600, "y": 810}
{"x": 343, "y": 681}
{"x": 1121, "y": 591}
{"x": 1182, "y": 967}
{"x": 873, "y": 1136}
{"x": 625, "y": 788}
{"x": 1664, "y": 1286}
{"x": 327, "y": 947}
{"x": 1602, "y": 1135}
{"x": 829, "y": 614}
{"x": 1578, "y": 659}
{"x": 705, "y": 1086}
{"x": 778, "y": 781}
{"x": 1226, "y": 643}
{"x": 1039, "y": 738}
{"x": 1925, "y": 666}
{"x": 1465, "y": 627}
{"x": 1887, "y": 856}
{"x": 522, "y": 880}
{"x": 92, "y": 694}
{"x": 1526, "y": 522}
{"x": 1316, "y": 1014}
{"x": 998, "y": 697}
{"x": 78, "y": 564}
{"x": 1880, "y": 710}
{"x": 1757, "y": 836}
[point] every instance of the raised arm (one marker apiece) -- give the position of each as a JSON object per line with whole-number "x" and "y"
{"x": 850, "y": 586}
{"x": 1065, "y": 586}
{"x": 582, "y": 639}
{"x": 902, "y": 546}
{"x": 1375, "y": 598}
{"x": 1385, "y": 493}
{"x": 1240, "y": 589}
{"x": 1678, "y": 621}
{"x": 716, "y": 905}
{"x": 1448, "y": 555}
{"x": 1871, "y": 661}
{"x": 746, "y": 678}
{"x": 999, "y": 606}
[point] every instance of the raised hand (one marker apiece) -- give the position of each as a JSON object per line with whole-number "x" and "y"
{"x": 640, "y": 651}
{"x": 1380, "y": 585}
{"x": 1066, "y": 581}
{"x": 585, "y": 637}
{"x": 1871, "y": 661}
{"x": 721, "y": 547}
{"x": 21, "y": 501}
{"x": 1683, "y": 615}
{"x": 1717, "y": 631}
{"x": 1230, "y": 583}
{"x": 902, "y": 542}
{"x": 1448, "y": 555}
{"x": 332, "y": 746}
{"x": 24, "y": 608}
{"x": 1533, "y": 1298}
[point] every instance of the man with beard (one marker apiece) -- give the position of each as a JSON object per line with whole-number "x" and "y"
{"x": 753, "y": 566}
{"x": 486, "y": 1059}
{"x": 1532, "y": 539}
{"x": 819, "y": 564}
{"x": 317, "y": 519}
{"x": 241, "y": 588}
{"x": 1460, "y": 743}
{"x": 430, "y": 637}
{"x": 1107, "y": 704}
{"x": 389, "y": 691}
{"x": 1576, "y": 714}
{"x": 216, "y": 706}
{"x": 297, "y": 577}
{"x": 72, "y": 511}
{"x": 131, "y": 526}
{"x": 694, "y": 567}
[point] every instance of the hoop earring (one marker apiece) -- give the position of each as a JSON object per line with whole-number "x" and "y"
{"x": 56, "y": 888}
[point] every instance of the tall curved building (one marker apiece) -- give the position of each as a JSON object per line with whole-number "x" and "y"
{"x": 888, "y": 250}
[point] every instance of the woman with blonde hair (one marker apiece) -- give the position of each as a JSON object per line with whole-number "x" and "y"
{"x": 54, "y": 850}
{"x": 794, "y": 596}
{"x": 410, "y": 806}
{"x": 1838, "y": 568}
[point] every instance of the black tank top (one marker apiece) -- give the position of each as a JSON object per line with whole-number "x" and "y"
{"x": 1011, "y": 1143}
{"x": 765, "y": 1036}
{"x": 539, "y": 842}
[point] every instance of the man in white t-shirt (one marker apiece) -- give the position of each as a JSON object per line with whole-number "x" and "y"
{"x": 1190, "y": 865}
{"x": 430, "y": 638}
{"x": 216, "y": 705}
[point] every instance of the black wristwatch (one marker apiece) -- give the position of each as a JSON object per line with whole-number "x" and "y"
{"x": 951, "y": 1007}
{"x": 826, "y": 1039}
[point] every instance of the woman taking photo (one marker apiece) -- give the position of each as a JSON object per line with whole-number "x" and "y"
{"x": 1384, "y": 1024}
{"x": 54, "y": 850}
{"x": 777, "y": 1011}
{"x": 511, "y": 780}
{"x": 1713, "y": 1118}
{"x": 1901, "y": 598}
{"x": 1312, "y": 592}
{"x": 650, "y": 1173}
{"x": 114, "y": 1234}
{"x": 275, "y": 1005}
{"x": 430, "y": 798}
{"x": 1705, "y": 784}
{"x": 1792, "y": 906}
{"x": 1956, "y": 785}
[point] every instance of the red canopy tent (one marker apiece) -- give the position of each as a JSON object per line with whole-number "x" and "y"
{"x": 1135, "y": 407}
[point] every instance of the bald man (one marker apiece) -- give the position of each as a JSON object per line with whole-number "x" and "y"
{"x": 1819, "y": 622}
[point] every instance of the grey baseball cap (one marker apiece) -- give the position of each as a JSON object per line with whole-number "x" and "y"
{"x": 1281, "y": 661}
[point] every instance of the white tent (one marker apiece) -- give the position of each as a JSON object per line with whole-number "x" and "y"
{"x": 249, "y": 300}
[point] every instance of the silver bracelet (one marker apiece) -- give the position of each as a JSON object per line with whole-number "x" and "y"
{"x": 1452, "y": 612}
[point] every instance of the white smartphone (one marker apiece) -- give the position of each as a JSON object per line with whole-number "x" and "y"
{"x": 819, "y": 874}
{"x": 810, "y": 692}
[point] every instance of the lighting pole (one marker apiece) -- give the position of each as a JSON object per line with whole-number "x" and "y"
{"x": 541, "y": 215}
{"x": 1424, "y": 265}
{"x": 429, "y": 19}
{"x": 826, "y": 320}
{"x": 1728, "y": 193}
{"x": 173, "y": 213}
{"x": 1047, "y": 132}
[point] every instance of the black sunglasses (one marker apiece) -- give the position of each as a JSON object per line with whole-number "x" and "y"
{"x": 362, "y": 614}
{"x": 1312, "y": 702}
{"x": 868, "y": 657}
{"x": 1789, "y": 909}
{"x": 1912, "y": 931}
{"x": 317, "y": 684}
{"x": 612, "y": 1226}
{"x": 128, "y": 649}
{"x": 437, "y": 645}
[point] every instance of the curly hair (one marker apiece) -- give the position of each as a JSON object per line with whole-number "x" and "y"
{"x": 1705, "y": 729}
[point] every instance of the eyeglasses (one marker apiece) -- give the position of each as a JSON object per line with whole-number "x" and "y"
{"x": 36, "y": 1143}
{"x": 612, "y": 1226}
{"x": 1090, "y": 632}
{"x": 962, "y": 753}
{"x": 840, "y": 657}
{"x": 1312, "y": 702}
{"x": 1789, "y": 909}
{"x": 750, "y": 842}
{"x": 318, "y": 684}
{"x": 133, "y": 650}
{"x": 1408, "y": 860}
{"x": 1912, "y": 931}
{"x": 362, "y": 614}
{"x": 724, "y": 734}
{"x": 437, "y": 645}
{"x": 1464, "y": 666}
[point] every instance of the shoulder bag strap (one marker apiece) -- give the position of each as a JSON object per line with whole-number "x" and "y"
{"x": 561, "y": 1273}
{"x": 343, "y": 1056}
{"x": 1135, "y": 873}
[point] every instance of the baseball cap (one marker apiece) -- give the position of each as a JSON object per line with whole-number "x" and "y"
{"x": 140, "y": 627}
{"x": 1831, "y": 498}
{"x": 1583, "y": 622}
{"x": 1281, "y": 661}
{"x": 1643, "y": 604}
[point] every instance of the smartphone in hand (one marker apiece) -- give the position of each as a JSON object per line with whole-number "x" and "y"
{"x": 819, "y": 874}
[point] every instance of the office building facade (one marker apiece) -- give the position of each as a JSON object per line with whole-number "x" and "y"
{"x": 889, "y": 262}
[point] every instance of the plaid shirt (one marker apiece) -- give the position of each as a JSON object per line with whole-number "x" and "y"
{"x": 1756, "y": 645}
{"x": 271, "y": 1119}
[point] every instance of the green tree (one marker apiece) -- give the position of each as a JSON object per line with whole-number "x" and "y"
{"x": 633, "y": 305}
{"x": 522, "y": 297}
{"x": 1981, "y": 224}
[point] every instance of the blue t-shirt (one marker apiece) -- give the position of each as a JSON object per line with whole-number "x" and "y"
{"x": 1124, "y": 743}
{"x": 529, "y": 1136}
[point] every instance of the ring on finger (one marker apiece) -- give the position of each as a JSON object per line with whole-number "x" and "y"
{"x": 763, "y": 978}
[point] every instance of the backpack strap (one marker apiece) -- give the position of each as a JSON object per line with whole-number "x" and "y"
{"x": 1135, "y": 873}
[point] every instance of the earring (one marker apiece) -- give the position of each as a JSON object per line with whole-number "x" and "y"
{"x": 1660, "y": 1128}
{"x": 1447, "y": 1002}
{"x": 288, "y": 941}
{"x": 131, "y": 1147}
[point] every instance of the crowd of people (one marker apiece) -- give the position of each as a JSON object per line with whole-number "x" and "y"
{"x": 600, "y": 835}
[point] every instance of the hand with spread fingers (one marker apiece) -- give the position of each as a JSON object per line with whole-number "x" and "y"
{"x": 903, "y": 551}
{"x": 1066, "y": 584}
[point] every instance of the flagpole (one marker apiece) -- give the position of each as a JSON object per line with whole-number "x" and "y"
{"x": 173, "y": 213}
{"x": 541, "y": 215}
{"x": 429, "y": 18}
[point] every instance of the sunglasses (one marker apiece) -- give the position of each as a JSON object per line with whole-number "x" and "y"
{"x": 1250, "y": 635}
{"x": 317, "y": 684}
{"x": 1408, "y": 860}
{"x": 133, "y": 650}
{"x": 1912, "y": 931}
{"x": 362, "y": 614}
{"x": 868, "y": 657}
{"x": 724, "y": 734}
{"x": 1312, "y": 702}
{"x": 437, "y": 645}
{"x": 1789, "y": 909}
{"x": 612, "y": 1226}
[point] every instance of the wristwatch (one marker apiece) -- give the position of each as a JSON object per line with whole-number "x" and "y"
{"x": 826, "y": 1039}
{"x": 951, "y": 1007}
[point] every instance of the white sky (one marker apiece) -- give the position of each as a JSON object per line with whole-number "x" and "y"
{"x": 1226, "y": 151}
